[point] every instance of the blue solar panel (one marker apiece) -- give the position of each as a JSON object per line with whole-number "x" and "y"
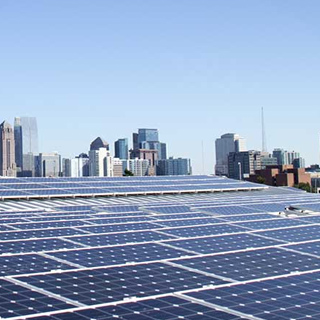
{"x": 293, "y": 234}
{"x": 169, "y": 209}
{"x": 120, "y": 227}
{"x": 295, "y": 297}
{"x": 119, "y": 208}
{"x": 223, "y": 243}
{"x": 268, "y": 207}
{"x": 271, "y": 224}
{"x": 36, "y": 245}
{"x": 188, "y": 222}
{"x": 113, "y": 284}
{"x": 229, "y": 210}
{"x": 203, "y": 230}
{"x": 309, "y": 247}
{"x": 246, "y": 217}
{"x": 17, "y": 301}
{"x": 51, "y": 224}
{"x": 255, "y": 264}
{"x": 167, "y": 308}
{"x": 142, "y": 257}
{"x": 44, "y": 233}
{"x": 28, "y": 263}
{"x": 119, "y": 238}
{"x": 95, "y": 257}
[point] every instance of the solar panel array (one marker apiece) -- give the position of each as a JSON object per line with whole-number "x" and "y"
{"x": 227, "y": 255}
{"x": 30, "y": 188}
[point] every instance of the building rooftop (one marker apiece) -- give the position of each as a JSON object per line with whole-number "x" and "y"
{"x": 198, "y": 255}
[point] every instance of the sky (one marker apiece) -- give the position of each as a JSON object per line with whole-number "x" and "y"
{"x": 194, "y": 69}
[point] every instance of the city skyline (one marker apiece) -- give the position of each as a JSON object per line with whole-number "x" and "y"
{"x": 194, "y": 70}
{"x": 240, "y": 142}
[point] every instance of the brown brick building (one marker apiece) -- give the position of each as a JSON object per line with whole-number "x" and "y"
{"x": 281, "y": 175}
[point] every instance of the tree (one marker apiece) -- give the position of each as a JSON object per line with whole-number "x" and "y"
{"x": 128, "y": 173}
{"x": 303, "y": 186}
{"x": 261, "y": 180}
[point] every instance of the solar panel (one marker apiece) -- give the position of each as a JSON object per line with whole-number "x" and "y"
{"x": 291, "y": 297}
{"x": 211, "y": 255}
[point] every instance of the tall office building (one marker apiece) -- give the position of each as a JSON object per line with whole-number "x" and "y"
{"x": 135, "y": 143}
{"x": 80, "y": 166}
{"x": 267, "y": 160}
{"x": 280, "y": 155}
{"x": 163, "y": 151}
{"x": 229, "y": 142}
{"x": 292, "y": 155}
{"x": 243, "y": 164}
{"x": 146, "y": 145}
{"x": 121, "y": 150}
{"x": 66, "y": 167}
{"x": 150, "y": 135}
{"x": 99, "y": 143}
{"x": 100, "y": 163}
{"x": 7, "y": 151}
{"x": 48, "y": 165}
{"x": 285, "y": 157}
{"x": 100, "y": 160}
{"x": 26, "y": 145}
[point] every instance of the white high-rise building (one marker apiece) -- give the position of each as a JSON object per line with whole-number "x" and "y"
{"x": 80, "y": 166}
{"x": 139, "y": 167}
{"x": 100, "y": 163}
{"x": 229, "y": 142}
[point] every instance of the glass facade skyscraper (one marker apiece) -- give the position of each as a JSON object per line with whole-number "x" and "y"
{"x": 229, "y": 142}
{"x": 121, "y": 149}
{"x": 150, "y": 135}
{"x": 26, "y": 144}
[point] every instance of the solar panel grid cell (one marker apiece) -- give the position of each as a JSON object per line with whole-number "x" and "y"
{"x": 101, "y": 256}
{"x": 119, "y": 238}
{"x": 35, "y": 245}
{"x": 17, "y": 301}
{"x": 295, "y": 297}
{"x": 167, "y": 308}
{"x": 114, "y": 284}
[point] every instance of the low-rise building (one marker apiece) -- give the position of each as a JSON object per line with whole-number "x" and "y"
{"x": 281, "y": 175}
{"x": 174, "y": 167}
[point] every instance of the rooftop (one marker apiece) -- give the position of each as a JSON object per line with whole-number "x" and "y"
{"x": 195, "y": 255}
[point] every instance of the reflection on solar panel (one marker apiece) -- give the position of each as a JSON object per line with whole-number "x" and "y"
{"x": 194, "y": 255}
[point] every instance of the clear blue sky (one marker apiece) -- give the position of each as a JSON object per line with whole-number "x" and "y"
{"x": 193, "y": 69}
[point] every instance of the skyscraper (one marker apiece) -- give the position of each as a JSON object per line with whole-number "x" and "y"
{"x": 99, "y": 143}
{"x": 148, "y": 139}
{"x": 48, "y": 165}
{"x": 280, "y": 155}
{"x": 100, "y": 160}
{"x": 150, "y": 135}
{"x": 7, "y": 152}
{"x": 121, "y": 149}
{"x": 26, "y": 144}
{"x": 80, "y": 166}
{"x": 163, "y": 151}
{"x": 242, "y": 164}
{"x": 229, "y": 142}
